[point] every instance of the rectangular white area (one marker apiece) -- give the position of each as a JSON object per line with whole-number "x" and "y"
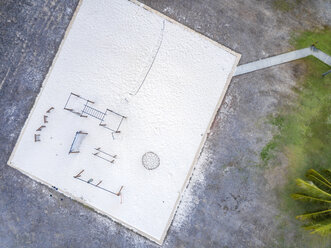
{"x": 111, "y": 47}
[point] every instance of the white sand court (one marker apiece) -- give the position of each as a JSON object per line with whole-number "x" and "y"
{"x": 124, "y": 112}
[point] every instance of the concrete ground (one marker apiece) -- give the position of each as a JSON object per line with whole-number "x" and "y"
{"x": 229, "y": 202}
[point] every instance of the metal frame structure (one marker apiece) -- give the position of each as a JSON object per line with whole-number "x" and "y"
{"x": 74, "y": 141}
{"x": 110, "y": 158}
{"x": 95, "y": 113}
{"x": 97, "y": 185}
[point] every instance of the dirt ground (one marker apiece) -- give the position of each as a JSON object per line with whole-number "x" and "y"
{"x": 229, "y": 202}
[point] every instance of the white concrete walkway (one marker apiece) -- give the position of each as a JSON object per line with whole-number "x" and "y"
{"x": 282, "y": 58}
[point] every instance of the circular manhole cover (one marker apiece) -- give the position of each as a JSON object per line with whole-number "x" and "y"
{"x": 150, "y": 160}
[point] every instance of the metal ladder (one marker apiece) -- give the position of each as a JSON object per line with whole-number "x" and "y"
{"x": 93, "y": 112}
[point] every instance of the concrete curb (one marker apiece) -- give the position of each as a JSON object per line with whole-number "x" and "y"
{"x": 283, "y": 58}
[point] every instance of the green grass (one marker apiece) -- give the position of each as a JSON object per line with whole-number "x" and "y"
{"x": 305, "y": 138}
{"x": 283, "y": 5}
{"x": 304, "y": 134}
{"x": 321, "y": 38}
{"x": 305, "y": 129}
{"x": 267, "y": 152}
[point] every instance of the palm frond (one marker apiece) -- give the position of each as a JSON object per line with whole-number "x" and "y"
{"x": 327, "y": 174}
{"x": 317, "y": 192}
{"x": 318, "y": 178}
{"x": 314, "y": 215}
{"x": 311, "y": 189}
{"x": 302, "y": 197}
{"x": 320, "y": 227}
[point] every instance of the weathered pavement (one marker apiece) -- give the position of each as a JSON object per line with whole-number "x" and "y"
{"x": 228, "y": 202}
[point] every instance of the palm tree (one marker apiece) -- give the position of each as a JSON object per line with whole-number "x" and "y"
{"x": 317, "y": 192}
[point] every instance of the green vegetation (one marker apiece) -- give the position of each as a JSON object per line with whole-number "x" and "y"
{"x": 304, "y": 135}
{"x": 304, "y": 130}
{"x": 267, "y": 152}
{"x": 316, "y": 194}
{"x": 321, "y": 39}
{"x": 283, "y": 5}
